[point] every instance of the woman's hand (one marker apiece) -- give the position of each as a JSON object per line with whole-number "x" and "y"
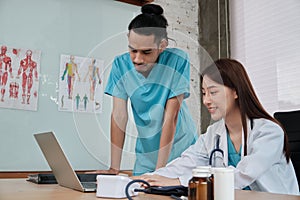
{"x": 157, "y": 180}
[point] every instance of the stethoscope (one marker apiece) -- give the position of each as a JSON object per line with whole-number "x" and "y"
{"x": 217, "y": 149}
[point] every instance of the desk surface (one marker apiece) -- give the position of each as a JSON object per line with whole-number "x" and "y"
{"x": 20, "y": 189}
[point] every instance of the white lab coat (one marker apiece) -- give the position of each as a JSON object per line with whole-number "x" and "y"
{"x": 263, "y": 169}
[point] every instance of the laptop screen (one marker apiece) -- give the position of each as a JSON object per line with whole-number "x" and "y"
{"x": 57, "y": 160}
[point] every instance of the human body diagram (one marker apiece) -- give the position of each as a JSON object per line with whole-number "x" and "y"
{"x": 5, "y": 68}
{"x": 19, "y": 78}
{"x": 28, "y": 71}
{"x": 77, "y": 94}
{"x": 71, "y": 70}
{"x": 93, "y": 74}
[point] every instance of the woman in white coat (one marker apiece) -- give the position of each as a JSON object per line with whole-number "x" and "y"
{"x": 246, "y": 137}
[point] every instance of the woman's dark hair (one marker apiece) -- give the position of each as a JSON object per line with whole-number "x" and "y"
{"x": 232, "y": 74}
{"x": 150, "y": 22}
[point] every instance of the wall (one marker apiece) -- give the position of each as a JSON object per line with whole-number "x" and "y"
{"x": 201, "y": 28}
{"x": 183, "y": 18}
{"x": 265, "y": 38}
{"x": 89, "y": 28}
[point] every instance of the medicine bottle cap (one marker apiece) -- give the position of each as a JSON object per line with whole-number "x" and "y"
{"x": 208, "y": 168}
{"x": 201, "y": 172}
{"x": 222, "y": 170}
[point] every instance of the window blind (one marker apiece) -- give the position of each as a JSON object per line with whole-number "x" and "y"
{"x": 265, "y": 38}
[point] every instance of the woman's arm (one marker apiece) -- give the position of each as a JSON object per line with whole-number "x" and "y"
{"x": 157, "y": 180}
{"x": 264, "y": 152}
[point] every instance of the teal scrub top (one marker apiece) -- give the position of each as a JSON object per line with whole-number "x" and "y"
{"x": 234, "y": 157}
{"x": 170, "y": 77}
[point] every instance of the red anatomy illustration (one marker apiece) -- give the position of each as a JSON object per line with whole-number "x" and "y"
{"x": 27, "y": 68}
{"x": 5, "y": 67}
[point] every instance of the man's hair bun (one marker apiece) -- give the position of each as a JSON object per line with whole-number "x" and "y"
{"x": 152, "y": 9}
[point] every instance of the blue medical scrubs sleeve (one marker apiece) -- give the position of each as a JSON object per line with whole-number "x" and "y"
{"x": 115, "y": 85}
{"x": 181, "y": 75}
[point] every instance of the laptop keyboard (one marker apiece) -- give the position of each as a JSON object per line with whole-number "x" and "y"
{"x": 89, "y": 184}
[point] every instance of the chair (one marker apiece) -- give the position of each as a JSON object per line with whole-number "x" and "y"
{"x": 291, "y": 122}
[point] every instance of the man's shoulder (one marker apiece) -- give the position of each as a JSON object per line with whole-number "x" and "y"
{"x": 123, "y": 62}
{"x": 123, "y": 57}
{"x": 176, "y": 51}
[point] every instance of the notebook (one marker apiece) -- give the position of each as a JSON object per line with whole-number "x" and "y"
{"x": 59, "y": 164}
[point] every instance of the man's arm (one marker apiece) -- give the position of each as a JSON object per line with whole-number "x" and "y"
{"x": 119, "y": 118}
{"x": 168, "y": 130}
{"x": 117, "y": 133}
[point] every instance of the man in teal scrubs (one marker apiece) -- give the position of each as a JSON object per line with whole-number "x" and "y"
{"x": 156, "y": 79}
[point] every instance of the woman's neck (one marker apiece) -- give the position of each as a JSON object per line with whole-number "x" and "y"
{"x": 234, "y": 127}
{"x": 233, "y": 122}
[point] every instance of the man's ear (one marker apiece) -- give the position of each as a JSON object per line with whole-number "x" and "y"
{"x": 163, "y": 45}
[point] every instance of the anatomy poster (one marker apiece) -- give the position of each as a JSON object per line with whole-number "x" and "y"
{"x": 80, "y": 84}
{"x": 19, "y": 77}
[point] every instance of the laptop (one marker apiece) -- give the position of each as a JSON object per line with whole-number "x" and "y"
{"x": 59, "y": 164}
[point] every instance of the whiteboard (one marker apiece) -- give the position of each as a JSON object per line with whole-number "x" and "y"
{"x": 92, "y": 28}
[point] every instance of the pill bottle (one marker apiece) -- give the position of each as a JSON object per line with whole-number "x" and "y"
{"x": 201, "y": 184}
{"x": 223, "y": 183}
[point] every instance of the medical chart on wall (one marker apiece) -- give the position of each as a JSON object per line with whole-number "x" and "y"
{"x": 19, "y": 77}
{"x": 80, "y": 84}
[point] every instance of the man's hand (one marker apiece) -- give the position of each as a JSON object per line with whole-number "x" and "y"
{"x": 109, "y": 171}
